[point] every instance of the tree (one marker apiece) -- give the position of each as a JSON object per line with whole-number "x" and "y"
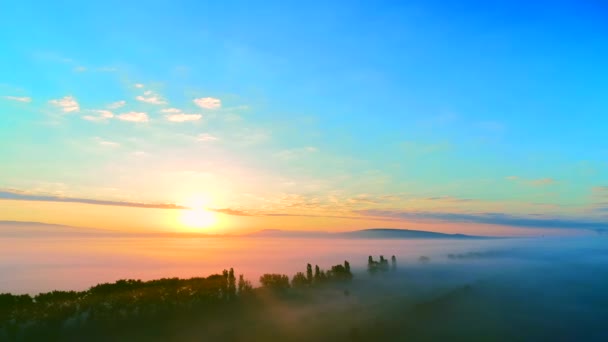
{"x": 347, "y": 266}
{"x": 299, "y": 280}
{"x": 372, "y": 266}
{"x": 231, "y": 284}
{"x": 340, "y": 272}
{"x": 225, "y": 283}
{"x": 244, "y": 286}
{"x": 275, "y": 281}
{"x": 393, "y": 263}
{"x": 309, "y": 273}
{"x": 317, "y": 273}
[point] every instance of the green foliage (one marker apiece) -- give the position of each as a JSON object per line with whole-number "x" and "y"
{"x": 377, "y": 266}
{"x": 275, "y": 281}
{"x": 244, "y": 286}
{"x": 309, "y": 273}
{"x": 299, "y": 280}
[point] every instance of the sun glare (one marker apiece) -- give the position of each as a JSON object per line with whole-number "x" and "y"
{"x": 197, "y": 217}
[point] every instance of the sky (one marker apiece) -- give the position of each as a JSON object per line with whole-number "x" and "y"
{"x": 233, "y": 116}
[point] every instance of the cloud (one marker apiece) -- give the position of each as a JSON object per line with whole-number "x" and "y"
{"x": 151, "y": 98}
{"x": 600, "y": 190}
{"x": 80, "y": 69}
{"x": 133, "y": 117}
{"x": 490, "y": 218}
{"x": 19, "y": 98}
{"x": 102, "y": 115}
{"x": 67, "y": 104}
{"x": 183, "y": 117}
{"x": 176, "y": 115}
{"x": 448, "y": 199}
{"x": 117, "y": 104}
{"x": 208, "y": 102}
{"x": 206, "y": 137}
{"x": 107, "y": 143}
{"x": 532, "y": 182}
{"x": 23, "y": 196}
{"x": 229, "y": 211}
{"x": 138, "y": 85}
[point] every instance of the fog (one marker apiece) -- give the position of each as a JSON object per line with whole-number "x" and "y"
{"x": 496, "y": 289}
{"x": 33, "y": 265}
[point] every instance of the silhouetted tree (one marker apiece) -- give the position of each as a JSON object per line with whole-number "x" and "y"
{"x": 225, "y": 283}
{"x": 317, "y": 273}
{"x": 244, "y": 286}
{"x": 347, "y": 266}
{"x": 275, "y": 281}
{"x": 309, "y": 273}
{"x": 371, "y": 265}
{"x": 299, "y": 280}
{"x": 393, "y": 263}
{"x": 339, "y": 272}
{"x": 231, "y": 284}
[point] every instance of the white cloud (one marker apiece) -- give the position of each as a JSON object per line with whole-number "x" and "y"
{"x": 181, "y": 117}
{"x": 117, "y": 104}
{"x": 19, "y": 98}
{"x": 67, "y": 104}
{"x": 133, "y": 117}
{"x": 80, "y": 69}
{"x": 206, "y": 137}
{"x": 102, "y": 115}
{"x": 106, "y": 143}
{"x": 208, "y": 102}
{"x": 171, "y": 110}
{"x": 139, "y": 85}
{"x": 151, "y": 97}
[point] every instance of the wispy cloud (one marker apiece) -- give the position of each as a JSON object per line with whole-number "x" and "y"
{"x": 529, "y": 221}
{"x": 532, "y": 182}
{"x": 151, "y": 98}
{"x": 19, "y": 98}
{"x": 138, "y": 85}
{"x": 80, "y": 69}
{"x": 171, "y": 111}
{"x": 133, "y": 117}
{"x": 24, "y": 196}
{"x": 100, "y": 115}
{"x": 208, "y": 102}
{"x": 117, "y": 104}
{"x": 176, "y": 115}
{"x": 228, "y": 211}
{"x": 205, "y": 137}
{"x": 67, "y": 104}
{"x": 106, "y": 143}
{"x": 183, "y": 117}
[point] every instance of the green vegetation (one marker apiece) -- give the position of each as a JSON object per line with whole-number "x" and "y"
{"x": 129, "y": 305}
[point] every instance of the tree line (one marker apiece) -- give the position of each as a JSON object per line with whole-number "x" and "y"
{"x": 140, "y": 302}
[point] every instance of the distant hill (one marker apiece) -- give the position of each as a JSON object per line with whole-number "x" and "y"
{"x": 38, "y": 229}
{"x": 374, "y": 233}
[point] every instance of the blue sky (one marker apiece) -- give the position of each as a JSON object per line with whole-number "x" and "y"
{"x": 310, "y": 106}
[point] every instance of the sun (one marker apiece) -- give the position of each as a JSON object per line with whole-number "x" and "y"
{"x": 197, "y": 217}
